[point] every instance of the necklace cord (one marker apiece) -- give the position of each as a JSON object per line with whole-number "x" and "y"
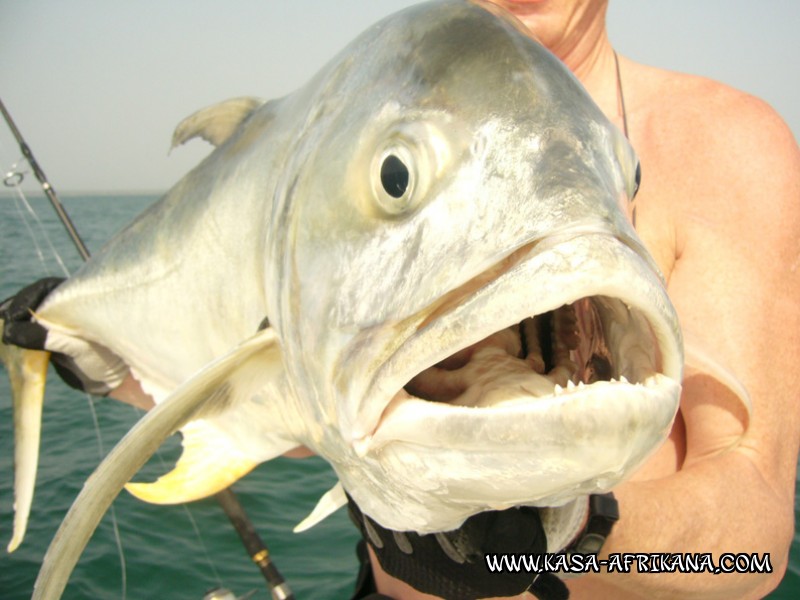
{"x": 621, "y": 97}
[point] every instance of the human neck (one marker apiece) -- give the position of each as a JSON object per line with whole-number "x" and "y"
{"x": 591, "y": 59}
{"x": 583, "y": 50}
{"x": 580, "y": 40}
{"x": 597, "y": 71}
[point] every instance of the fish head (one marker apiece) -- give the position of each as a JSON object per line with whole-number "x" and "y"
{"x": 465, "y": 311}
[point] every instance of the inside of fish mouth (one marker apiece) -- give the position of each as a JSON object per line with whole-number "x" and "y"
{"x": 590, "y": 340}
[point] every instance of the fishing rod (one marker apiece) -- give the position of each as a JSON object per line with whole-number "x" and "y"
{"x": 48, "y": 189}
{"x": 227, "y": 499}
{"x": 254, "y": 545}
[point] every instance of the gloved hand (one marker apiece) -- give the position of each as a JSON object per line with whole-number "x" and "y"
{"x": 452, "y": 564}
{"x": 83, "y": 365}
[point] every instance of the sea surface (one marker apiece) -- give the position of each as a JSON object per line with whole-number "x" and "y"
{"x": 174, "y": 552}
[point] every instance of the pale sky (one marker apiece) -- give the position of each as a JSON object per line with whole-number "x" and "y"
{"x": 96, "y": 86}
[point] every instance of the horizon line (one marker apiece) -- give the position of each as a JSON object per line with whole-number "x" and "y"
{"x": 71, "y": 193}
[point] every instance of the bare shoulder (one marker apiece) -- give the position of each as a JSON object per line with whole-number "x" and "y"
{"x": 719, "y": 207}
{"x": 723, "y": 125}
{"x": 713, "y": 154}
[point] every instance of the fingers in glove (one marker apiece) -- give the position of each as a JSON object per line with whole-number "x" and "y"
{"x": 19, "y": 329}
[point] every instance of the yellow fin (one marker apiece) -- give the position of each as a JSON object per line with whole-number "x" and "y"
{"x": 209, "y": 463}
{"x": 136, "y": 448}
{"x": 27, "y": 371}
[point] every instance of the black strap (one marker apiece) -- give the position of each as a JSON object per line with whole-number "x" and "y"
{"x": 603, "y": 513}
{"x": 452, "y": 565}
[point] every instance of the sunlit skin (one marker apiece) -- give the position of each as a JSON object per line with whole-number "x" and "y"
{"x": 719, "y": 209}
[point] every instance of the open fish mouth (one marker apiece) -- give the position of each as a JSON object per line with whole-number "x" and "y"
{"x": 501, "y": 398}
{"x": 544, "y": 355}
{"x": 590, "y": 359}
{"x": 580, "y": 375}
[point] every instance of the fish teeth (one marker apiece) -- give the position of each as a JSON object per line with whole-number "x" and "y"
{"x": 558, "y": 389}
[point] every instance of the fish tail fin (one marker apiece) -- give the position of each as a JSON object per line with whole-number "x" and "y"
{"x": 27, "y": 371}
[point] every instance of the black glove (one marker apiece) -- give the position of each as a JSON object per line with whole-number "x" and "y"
{"x": 83, "y": 365}
{"x": 18, "y": 327}
{"x": 452, "y": 564}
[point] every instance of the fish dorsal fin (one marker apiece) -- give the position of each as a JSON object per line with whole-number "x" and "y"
{"x": 331, "y": 501}
{"x": 259, "y": 354}
{"x": 215, "y": 123}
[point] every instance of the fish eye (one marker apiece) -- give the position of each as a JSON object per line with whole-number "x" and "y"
{"x": 638, "y": 179}
{"x": 407, "y": 158}
{"x": 394, "y": 176}
{"x": 396, "y": 179}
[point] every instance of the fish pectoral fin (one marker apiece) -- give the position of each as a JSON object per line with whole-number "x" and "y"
{"x": 261, "y": 351}
{"x": 210, "y": 463}
{"x": 699, "y": 360}
{"x": 331, "y": 501}
{"x": 27, "y": 371}
{"x": 225, "y": 441}
{"x": 215, "y": 123}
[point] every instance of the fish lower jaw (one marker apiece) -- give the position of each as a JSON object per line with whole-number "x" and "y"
{"x": 512, "y": 420}
{"x": 547, "y": 390}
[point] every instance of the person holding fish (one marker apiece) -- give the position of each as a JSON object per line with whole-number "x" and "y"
{"x": 721, "y": 178}
{"x": 718, "y": 176}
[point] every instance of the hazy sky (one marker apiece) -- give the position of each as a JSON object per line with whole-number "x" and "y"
{"x": 96, "y": 86}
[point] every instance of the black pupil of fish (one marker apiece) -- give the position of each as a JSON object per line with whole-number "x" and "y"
{"x": 394, "y": 176}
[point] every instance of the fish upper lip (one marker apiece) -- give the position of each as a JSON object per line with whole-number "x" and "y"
{"x": 588, "y": 278}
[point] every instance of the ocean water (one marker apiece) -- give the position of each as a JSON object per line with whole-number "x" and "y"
{"x": 170, "y": 551}
{"x": 175, "y": 552}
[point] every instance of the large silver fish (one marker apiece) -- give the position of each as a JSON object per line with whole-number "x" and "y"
{"x": 461, "y": 316}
